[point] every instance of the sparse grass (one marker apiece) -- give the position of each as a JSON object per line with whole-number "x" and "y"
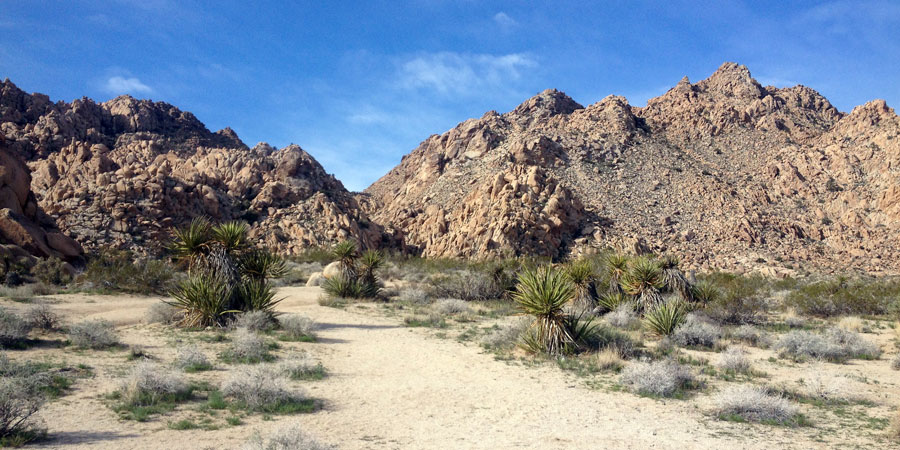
{"x": 451, "y": 307}
{"x": 734, "y": 359}
{"x": 696, "y": 332}
{"x": 854, "y": 324}
{"x": 163, "y": 313}
{"x": 260, "y": 388}
{"x": 302, "y": 367}
{"x": 94, "y": 334}
{"x": 840, "y": 296}
{"x": 413, "y": 295}
{"x": 258, "y": 321}
{"x": 834, "y": 345}
{"x": 13, "y": 330}
{"x": 746, "y": 403}
{"x": 623, "y": 316}
{"x": 42, "y": 317}
{"x": 894, "y": 430}
{"x": 751, "y": 335}
{"x": 191, "y": 359}
{"x": 295, "y": 327}
{"x": 247, "y": 347}
{"x": 286, "y": 438}
{"x": 664, "y": 378}
{"x": 505, "y": 337}
{"x": 430, "y": 321}
{"x": 183, "y": 424}
{"x": 150, "y": 389}
{"x": 610, "y": 359}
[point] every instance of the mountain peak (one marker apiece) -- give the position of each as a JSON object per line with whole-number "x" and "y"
{"x": 548, "y": 103}
{"x": 733, "y": 80}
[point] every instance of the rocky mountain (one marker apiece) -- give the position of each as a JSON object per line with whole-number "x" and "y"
{"x": 725, "y": 173}
{"x": 25, "y": 230}
{"x": 122, "y": 173}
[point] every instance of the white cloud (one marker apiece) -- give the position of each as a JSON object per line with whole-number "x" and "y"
{"x": 118, "y": 85}
{"x": 503, "y": 19}
{"x": 455, "y": 73}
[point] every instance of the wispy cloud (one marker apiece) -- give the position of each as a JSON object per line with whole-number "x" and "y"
{"x": 118, "y": 85}
{"x": 456, "y": 73}
{"x": 504, "y": 21}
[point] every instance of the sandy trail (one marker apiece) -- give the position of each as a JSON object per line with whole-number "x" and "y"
{"x": 392, "y": 387}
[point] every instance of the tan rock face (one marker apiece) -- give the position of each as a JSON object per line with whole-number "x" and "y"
{"x": 23, "y": 224}
{"x": 725, "y": 173}
{"x": 124, "y": 172}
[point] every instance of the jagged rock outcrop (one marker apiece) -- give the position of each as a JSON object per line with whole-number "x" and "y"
{"x": 25, "y": 231}
{"x": 725, "y": 173}
{"x": 122, "y": 173}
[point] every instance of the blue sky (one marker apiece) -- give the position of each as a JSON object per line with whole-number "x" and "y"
{"x": 359, "y": 84}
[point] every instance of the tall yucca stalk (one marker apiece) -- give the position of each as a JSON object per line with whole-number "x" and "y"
{"x": 643, "y": 281}
{"x": 542, "y": 293}
{"x": 192, "y": 243}
{"x": 582, "y": 273}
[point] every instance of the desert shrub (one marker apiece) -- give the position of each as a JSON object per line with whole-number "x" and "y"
{"x": 741, "y": 300}
{"x": 297, "y": 328}
{"x": 95, "y": 334}
{"x": 302, "y": 367}
{"x": 826, "y": 390}
{"x": 854, "y": 323}
{"x": 792, "y": 320}
{"x": 118, "y": 270}
{"x": 609, "y": 359}
{"x": 841, "y": 296}
{"x": 259, "y": 321}
{"x": 466, "y": 285}
{"x": 42, "y": 317}
{"x": 286, "y": 438}
{"x": 664, "y": 378}
{"x": 754, "y": 404}
{"x": 51, "y": 271}
{"x": 413, "y": 295}
{"x": 261, "y": 388}
{"x": 751, "y": 335}
{"x": 623, "y": 317}
{"x": 191, "y": 359}
{"x": 13, "y": 329}
{"x": 247, "y": 347}
{"x": 895, "y": 362}
{"x": 20, "y": 401}
{"x": 148, "y": 384}
{"x": 507, "y": 336}
{"x": 696, "y": 332}
{"x": 162, "y": 312}
{"x": 734, "y": 359}
{"x": 665, "y": 317}
{"x": 834, "y": 345}
{"x": 451, "y": 306}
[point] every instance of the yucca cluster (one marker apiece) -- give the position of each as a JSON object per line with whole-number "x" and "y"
{"x": 227, "y": 274}
{"x": 654, "y": 287}
{"x": 357, "y": 278}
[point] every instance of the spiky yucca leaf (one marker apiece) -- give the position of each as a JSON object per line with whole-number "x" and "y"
{"x": 615, "y": 266}
{"x": 262, "y": 265}
{"x": 611, "y": 300}
{"x": 203, "y": 301}
{"x": 255, "y": 295}
{"x": 369, "y": 262}
{"x": 582, "y": 273}
{"x": 343, "y": 287}
{"x": 643, "y": 280}
{"x": 665, "y": 317}
{"x": 192, "y": 242}
{"x": 346, "y": 253}
{"x": 542, "y": 293}
{"x": 232, "y": 236}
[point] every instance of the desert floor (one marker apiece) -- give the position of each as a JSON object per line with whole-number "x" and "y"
{"x": 394, "y": 387}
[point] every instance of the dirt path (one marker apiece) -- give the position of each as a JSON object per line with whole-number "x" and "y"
{"x": 392, "y": 387}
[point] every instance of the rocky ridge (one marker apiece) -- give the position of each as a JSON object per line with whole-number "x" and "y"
{"x": 122, "y": 173}
{"x": 724, "y": 172}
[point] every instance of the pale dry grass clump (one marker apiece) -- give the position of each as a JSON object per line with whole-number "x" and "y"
{"x": 623, "y": 317}
{"x": 751, "y": 335}
{"x": 163, "y": 313}
{"x": 754, "y": 404}
{"x": 259, "y": 388}
{"x": 734, "y": 359}
{"x": 286, "y": 438}
{"x": 835, "y": 345}
{"x": 697, "y": 332}
{"x": 13, "y": 329}
{"x": 413, "y": 295}
{"x": 297, "y": 327}
{"x": 855, "y": 324}
{"x": 895, "y": 362}
{"x": 301, "y": 366}
{"x": 451, "y": 307}
{"x": 191, "y": 359}
{"x": 663, "y": 378}
{"x": 792, "y": 320}
{"x": 247, "y": 347}
{"x": 610, "y": 359}
{"x": 149, "y": 383}
{"x": 42, "y": 317}
{"x": 95, "y": 334}
{"x": 259, "y": 321}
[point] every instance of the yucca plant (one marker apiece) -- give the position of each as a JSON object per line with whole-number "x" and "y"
{"x": 255, "y": 295}
{"x": 232, "y": 236}
{"x": 581, "y": 273}
{"x": 262, "y": 265}
{"x": 346, "y": 254}
{"x": 615, "y": 266}
{"x": 542, "y": 293}
{"x": 643, "y": 281}
{"x": 369, "y": 262}
{"x": 674, "y": 279}
{"x": 192, "y": 243}
{"x": 705, "y": 292}
{"x": 203, "y": 301}
{"x": 665, "y": 317}
{"x": 342, "y": 287}
{"x": 611, "y": 300}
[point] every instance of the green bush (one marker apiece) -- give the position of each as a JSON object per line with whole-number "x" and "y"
{"x": 739, "y": 300}
{"x": 119, "y": 271}
{"x": 844, "y": 297}
{"x": 51, "y": 271}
